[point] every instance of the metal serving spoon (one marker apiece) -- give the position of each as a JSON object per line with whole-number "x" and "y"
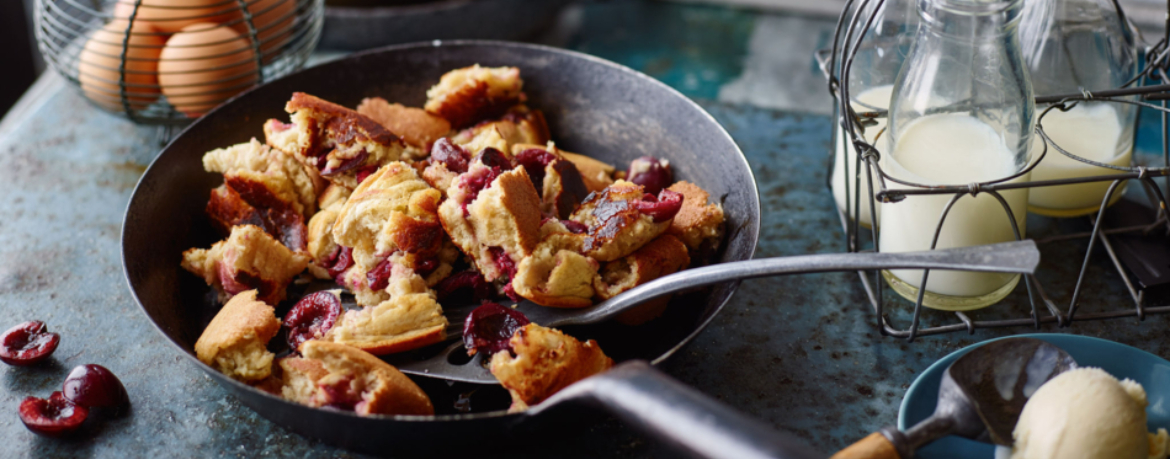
{"x": 1020, "y": 257}
{"x": 980, "y": 397}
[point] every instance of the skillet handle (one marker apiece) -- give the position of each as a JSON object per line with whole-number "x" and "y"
{"x": 681, "y": 417}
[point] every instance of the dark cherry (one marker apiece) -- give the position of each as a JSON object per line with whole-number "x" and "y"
{"x": 534, "y": 160}
{"x": 650, "y": 172}
{"x": 451, "y": 155}
{"x": 379, "y": 277}
{"x": 475, "y": 182}
{"x": 27, "y": 343}
{"x": 53, "y": 417}
{"x": 341, "y": 261}
{"x": 492, "y": 157}
{"x": 94, "y": 386}
{"x": 311, "y": 317}
{"x": 662, "y": 208}
{"x": 489, "y": 328}
{"x": 425, "y": 267}
{"x": 365, "y": 172}
{"x": 575, "y": 227}
{"x": 503, "y": 261}
{"x": 347, "y": 165}
{"x": 473, "y": 280}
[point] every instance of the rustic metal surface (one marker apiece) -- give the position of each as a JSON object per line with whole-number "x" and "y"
{"x": 800, "y": 353}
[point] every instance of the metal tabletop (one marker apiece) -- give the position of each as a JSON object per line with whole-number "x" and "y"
{"x": 801, "y": 353}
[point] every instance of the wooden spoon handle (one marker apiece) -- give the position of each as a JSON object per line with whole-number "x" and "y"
{"x": 875, "y": 446}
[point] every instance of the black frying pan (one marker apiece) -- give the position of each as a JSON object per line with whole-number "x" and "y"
{"x": 593, "y": 106}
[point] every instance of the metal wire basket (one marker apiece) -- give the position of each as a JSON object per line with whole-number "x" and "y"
{"x": 1151, "y": 86}
{"x": 169, "y": 61}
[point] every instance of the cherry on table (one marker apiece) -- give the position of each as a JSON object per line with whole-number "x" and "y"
{"x": 27, "y": 343}
{"x": 52, "y": 417}
{"x": 94, "y": 386}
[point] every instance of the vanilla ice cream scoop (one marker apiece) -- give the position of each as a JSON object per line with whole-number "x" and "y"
{"x": 1087, "y": 414}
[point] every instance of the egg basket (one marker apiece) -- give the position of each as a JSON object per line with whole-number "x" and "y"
{"x": 169, "y": 61}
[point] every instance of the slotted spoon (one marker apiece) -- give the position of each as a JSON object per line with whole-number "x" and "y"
{"x": 1019, "y": 257}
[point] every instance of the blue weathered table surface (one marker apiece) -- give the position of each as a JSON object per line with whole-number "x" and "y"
{"x": 800, "y": 353}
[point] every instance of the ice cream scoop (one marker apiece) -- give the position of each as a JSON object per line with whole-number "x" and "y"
{"x": 1085, "y": 414}
{"x": 980, "y": 397}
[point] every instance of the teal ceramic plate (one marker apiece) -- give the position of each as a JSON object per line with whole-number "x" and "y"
{"x": 1122, "y": 361}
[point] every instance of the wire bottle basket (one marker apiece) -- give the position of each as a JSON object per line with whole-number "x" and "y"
{"x": 1149, "y": 89}
{"x": 168, "y": 61}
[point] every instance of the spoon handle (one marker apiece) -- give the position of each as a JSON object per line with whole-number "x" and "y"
{"x": 874, "y": 446}
{"x": 1010, "y": 257}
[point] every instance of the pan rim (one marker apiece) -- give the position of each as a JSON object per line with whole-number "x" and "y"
{"x": 752, "y": 227}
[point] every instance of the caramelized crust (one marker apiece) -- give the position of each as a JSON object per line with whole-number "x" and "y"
{"x": 248, "y": 259}
{"x": 277, "y": 180}
{"x": 417, "y": 127}
{"x": 339, "y": 143}
{"x": 616, "y": 227}
{"x": 662, "y": 256}
{"x": 409, "y": 319}
{"x": 235, "y": 341}
{"x": 227, "y": 209}
{"x": 697, "y": 221}
{"x": 545, "y": 362}
{"x": 465, "y": 96}
{"x": 359, "y": 381}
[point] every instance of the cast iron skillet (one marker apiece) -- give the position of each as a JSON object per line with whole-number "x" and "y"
{"x": 593, "y": 106}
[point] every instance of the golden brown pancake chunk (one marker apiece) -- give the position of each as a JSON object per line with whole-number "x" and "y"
{"x": 544, "y": 361}
{"x": 342, "y": 145}
{"x": 494, "y": 217}
{"x": 280, "y": 177}
{"x": 698, "y": 222}
{"x": 471, "y": 94}
{"x": 235, "y": 342}
{"x": 521, "y": 125}
{"x": 417, "y": 128}
{"x": 392, "y": 212}
{"x": 409, "y": 319}
{"x": 356, "y": 381}
{"x": 248, "y": 259}
{"x": 622, "y": 218}
{"x": 556, "y": 274}
{"x": 662, "y": 256}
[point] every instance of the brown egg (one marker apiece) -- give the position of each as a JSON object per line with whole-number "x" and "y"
{"x": 171, "y": 16}
{"x": 100, "y": 65}
{"x": 273, "y": 20}
{"x": 204, "y": 65}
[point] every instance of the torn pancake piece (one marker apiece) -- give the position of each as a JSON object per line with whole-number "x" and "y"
{"x": 235, "y": 342}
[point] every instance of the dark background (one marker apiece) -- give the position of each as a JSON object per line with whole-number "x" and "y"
{"x": 20, "y": 61}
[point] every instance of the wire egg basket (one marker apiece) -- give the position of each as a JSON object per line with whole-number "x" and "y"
{"x": 167, "y": 62}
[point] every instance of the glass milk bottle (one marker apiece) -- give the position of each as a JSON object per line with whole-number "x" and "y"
{"x": 962, "y": 113}
{"x": 879, "y": 57}
{"x": 1072, "y": 46}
